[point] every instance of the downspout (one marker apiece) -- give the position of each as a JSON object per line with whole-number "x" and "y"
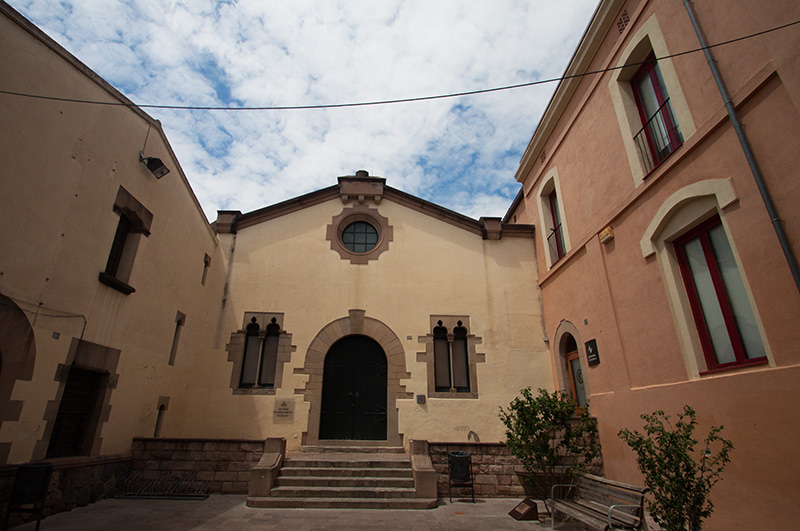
{"x": 777, "y": 223}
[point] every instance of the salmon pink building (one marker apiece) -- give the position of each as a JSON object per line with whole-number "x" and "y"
{"x": 663, "y": 280}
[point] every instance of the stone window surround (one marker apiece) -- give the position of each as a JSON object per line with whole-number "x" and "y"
{"x": 140, "y": 219}
{"x": 678, "y": 214}
{"x": 359, "y": 212}
{"x": 549, "y": 184}
{"x": 313, "y": 368}
{"x": 90, "y": 356}
{"x": 236, "y": 346}
{"x": 473, "y": 357}
{"x": 647, "y": 39}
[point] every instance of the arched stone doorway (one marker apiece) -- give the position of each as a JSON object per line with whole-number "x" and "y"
{"x": 354, "y": 391}
{"x": 359, "y": 325}
{"x": 18, "y": 351}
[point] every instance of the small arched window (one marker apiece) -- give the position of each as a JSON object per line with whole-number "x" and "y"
{"x": 441, "y": 358}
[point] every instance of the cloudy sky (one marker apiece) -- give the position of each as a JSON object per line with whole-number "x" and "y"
{"x": 459, "y": 152}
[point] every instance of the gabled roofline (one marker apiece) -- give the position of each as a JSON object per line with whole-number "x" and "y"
{"x": 360, "y": 188}
{"x": 59, "y": 50}
{"x": 604, "y": 16}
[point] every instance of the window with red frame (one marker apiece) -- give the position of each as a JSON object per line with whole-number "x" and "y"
{"x": 556, "y": 237}
{"x": 722, "y": 313}
{"x": 660, "y": 135}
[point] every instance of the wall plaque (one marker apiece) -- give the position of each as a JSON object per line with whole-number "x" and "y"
{"x": 525, "y": 510}
{"x": 284, "y": 411}
{"x": 592, "y": 355}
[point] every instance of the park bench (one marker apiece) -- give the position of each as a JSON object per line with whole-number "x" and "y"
{"x": 600, "y": 503}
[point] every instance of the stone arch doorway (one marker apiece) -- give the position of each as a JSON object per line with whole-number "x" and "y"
{"x": 354, "y": 391}
{"x": 18, "y": 351}
{"x": 356, "y": 323}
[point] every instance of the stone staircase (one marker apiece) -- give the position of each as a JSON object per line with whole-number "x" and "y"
{"x": 345, "y": 477}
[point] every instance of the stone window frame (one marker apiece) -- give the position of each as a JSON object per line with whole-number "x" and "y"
{"x": 473, "y": 356}
{"x": 684, "y": 210}
{"x": 647, "y": 39}
{"x": 134, "y": 221}
{"x": 359, "y": 212}
{"x": 550, "y": 183}
{"x": 236, "y": 348}
{"x": 90, "y": 356}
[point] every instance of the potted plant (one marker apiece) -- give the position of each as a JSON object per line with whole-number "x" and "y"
{"x": 551, "y": 436}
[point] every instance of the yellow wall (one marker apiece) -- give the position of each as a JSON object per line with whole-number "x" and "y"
{"x": 431, "y": 268}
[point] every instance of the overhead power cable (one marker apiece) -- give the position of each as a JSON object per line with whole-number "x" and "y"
{"x": 392, "y": 101}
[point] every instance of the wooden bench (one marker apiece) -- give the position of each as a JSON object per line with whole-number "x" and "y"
{"x": 600, "y": 503}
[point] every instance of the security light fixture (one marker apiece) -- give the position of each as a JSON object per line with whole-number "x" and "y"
{"x": 154, "y": 164}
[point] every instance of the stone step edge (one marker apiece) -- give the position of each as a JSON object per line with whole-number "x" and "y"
{"x": 342, "y": 503}
{"x": 354, "y": 449}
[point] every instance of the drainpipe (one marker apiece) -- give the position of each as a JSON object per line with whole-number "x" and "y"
{"x": 777, "y": 223}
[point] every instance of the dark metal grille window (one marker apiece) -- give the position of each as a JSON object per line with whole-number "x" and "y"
{"x": 556, "y": 242}
{"x": 77, "y": 414}
{"x": 658, "y": 138}
{"x": 360, "y": 237}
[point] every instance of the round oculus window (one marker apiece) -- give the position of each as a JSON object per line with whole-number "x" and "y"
{"x": 360, "y": 237}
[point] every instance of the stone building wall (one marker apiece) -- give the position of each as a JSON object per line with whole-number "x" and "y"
{"x": 493, "y": 466}
{"x": 75, "y": 482}
{"x": 224, "y": 463}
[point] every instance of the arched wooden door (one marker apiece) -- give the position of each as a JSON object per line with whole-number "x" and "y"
{"x": 354, "y": 391}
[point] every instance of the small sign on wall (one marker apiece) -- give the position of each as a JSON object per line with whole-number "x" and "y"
{"x": 592, "y": 355}
{"x": 284, "y": 411}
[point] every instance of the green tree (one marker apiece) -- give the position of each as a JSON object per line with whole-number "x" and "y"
{"x": 679, "y": 478}
{"x": 550, "y": 436}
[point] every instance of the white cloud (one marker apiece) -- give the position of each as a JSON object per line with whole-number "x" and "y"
{"x": 460, "y": 153}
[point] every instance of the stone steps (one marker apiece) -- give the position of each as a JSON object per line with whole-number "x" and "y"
{"x": 358, "y": 477}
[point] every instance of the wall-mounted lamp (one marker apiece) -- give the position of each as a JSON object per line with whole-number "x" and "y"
{"x": 154, "y": 164}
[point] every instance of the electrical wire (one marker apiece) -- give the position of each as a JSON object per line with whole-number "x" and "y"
{"x": 393, "y": 101}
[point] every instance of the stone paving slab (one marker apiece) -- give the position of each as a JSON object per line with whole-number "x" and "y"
{"x": 222, "y": 512}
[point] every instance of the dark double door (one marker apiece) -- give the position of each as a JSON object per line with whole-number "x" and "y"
{"x": 354, "y": 391}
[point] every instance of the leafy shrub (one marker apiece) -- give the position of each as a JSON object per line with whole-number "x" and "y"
{"x": 679, "y": 482}
{"x": 550, "y": 435}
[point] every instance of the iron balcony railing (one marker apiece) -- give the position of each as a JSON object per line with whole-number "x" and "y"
{"x": 556, "y": 242}
{"x": 659, "y": 137}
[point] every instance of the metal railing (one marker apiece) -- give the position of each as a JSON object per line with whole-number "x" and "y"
{"x": 556, "y": 243}
{"x": 659, "y": 137}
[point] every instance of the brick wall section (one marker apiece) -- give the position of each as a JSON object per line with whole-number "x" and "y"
{"x": 493, "y": 467}
{"x": 224, "y": 463}
{"x": 75, "y": 482}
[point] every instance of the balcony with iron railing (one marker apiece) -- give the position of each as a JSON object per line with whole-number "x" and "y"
{"x": 556, "y": 243}
{"x": 659, "y": 137}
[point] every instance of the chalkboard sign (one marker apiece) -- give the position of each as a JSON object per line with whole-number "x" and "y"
{"x": 592, "y": 355}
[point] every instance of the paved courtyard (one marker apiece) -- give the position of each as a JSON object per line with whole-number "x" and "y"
{"x": 220, "y": 512}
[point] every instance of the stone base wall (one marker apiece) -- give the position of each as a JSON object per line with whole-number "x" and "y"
{"x": 224, "y": 463}
{"x": 493, "y": 467}
{"x": 75, "y": 482}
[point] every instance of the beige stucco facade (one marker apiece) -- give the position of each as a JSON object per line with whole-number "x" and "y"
{"x": 628, "y": 293}
{"x": 176, "y": 343}
{"x": 164, "y": 329}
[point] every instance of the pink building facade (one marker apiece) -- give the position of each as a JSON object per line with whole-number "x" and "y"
{"x": 663, "y": 281}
